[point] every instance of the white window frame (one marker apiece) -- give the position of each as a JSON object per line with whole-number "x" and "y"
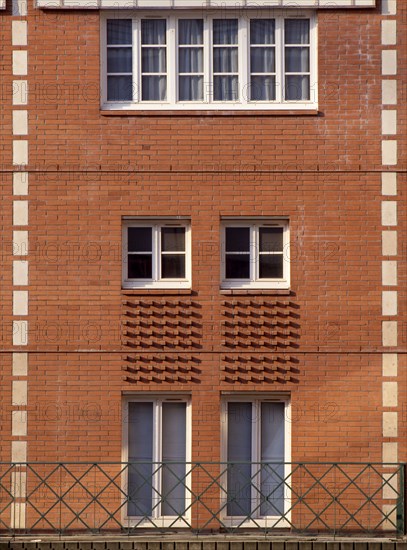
{"x": 254, "y": 282}
{"x": 156, "y": 281}
{"x": 156, "y": 520}
{"x": 257, "y": 400}
{"x": 244, "y": 69}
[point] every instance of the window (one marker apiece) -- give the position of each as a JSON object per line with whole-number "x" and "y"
{"x": 157, "y": 450}
{"x": 255, "y": 254}
{"x": 154, "y": 61}
{"x": 256, "y": 446}
{"x": 156, "y": 255}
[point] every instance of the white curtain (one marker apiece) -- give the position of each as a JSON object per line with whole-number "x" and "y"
{"x": 190, "y": 32}
{"x": 297, "y": 59}
{"x": 190, "y": 59}
{"x": 262, "y": 31}
{"x": 154, "y": 59}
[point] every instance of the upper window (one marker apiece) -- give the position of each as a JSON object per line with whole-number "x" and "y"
{"x": 156, "y": 254}
{"x": 255, "y": 254}
{"x": 215, "y": 62}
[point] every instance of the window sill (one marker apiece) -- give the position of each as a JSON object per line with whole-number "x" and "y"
{"x": 157, "y": 291}
{"x": 207, "y": 112}
{"x": 254, "y": 291}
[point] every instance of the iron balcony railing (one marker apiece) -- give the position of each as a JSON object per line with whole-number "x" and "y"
{"x": 140, "y": 497}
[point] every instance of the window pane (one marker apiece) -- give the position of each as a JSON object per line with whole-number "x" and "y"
{"x": 272, "y": 450}
{"x": 226, "y": 88}
{"x": 262, "y": 60}
{"x": 153, "y": 31}
{"x": 238, "y": 239}
{"x": 297, "y": 60}
{"x": 119, "y": 31}
{"x": 296, "y": 31}
{"x": 154, "y": 60}
{"x": 271, "y": 239}
{"x": 139, "y": 239}
{"x": 190, "y": 60}
{"x": 173, "y": 239}
{"x": 140, "y": 266}
{"x": 225, "y": 60}
{"x": 237, "y": 266}
{"x": 190, "y": 88}
{"x": 239, "y": 449}
{"x": 119, "y": 88}
{"x": 173, "y": 266}
{"x": 263, "y": 88}
{"x": 225, "y": 31}
{"x": 271, "y": 266}
{"x": 173, "y": 457}
{"x": 297, "y": 87}
{"x": 140, "y": 434}
{"x": 154, "y": 88}
{"x": 190, "y": 31}
{"x": 262, "y": 31}
{"x": 119, "y": 60}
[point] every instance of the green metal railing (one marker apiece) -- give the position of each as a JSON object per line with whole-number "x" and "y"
{"x": 140, "y": 497}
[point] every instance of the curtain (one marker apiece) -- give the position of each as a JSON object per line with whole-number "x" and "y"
{"x": 119, "y": 31}
{"x": 262, "y": 31}
{"x": 153, "y": 31}
{"x": 297, "y": 59}
{"x": 119, "y": 59}
{"x": 154, "y": 88}
{"x": 190, "y": 32}
{"x": 190, "y": 59}
{"x": 296, "y": 31}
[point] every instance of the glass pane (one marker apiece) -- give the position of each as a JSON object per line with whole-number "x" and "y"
{"x": 119, "y": 88}
{"x": 154, "y": 60}
{"x": 119, "y": 31}
{"x": 239, "y": 449}
{"x": 297, "y": 60}
{"x": 225, "y": 60}
{"x": 296, "y": 31}
{"x": 140, "y": 434}
{"x": 139, "y": 239}
{"x": 225, "y": 31}
{"x": 271, "y": 239}
{"x": 154, "y": 88}
{"x": 271, "y": 266}
{"x": 262, "y": 60}
{"x": 173, "y": 457}
{"x": 262, "y": 31}
{"x": 173, "y": 266}
{"x": 153, "y": 31}
{"x": 237, "y": 239}
{"x": 272, "y": 450}
{"x": 297, "y": 87}
{"x": 140, "y": 266}
{"x": 190, "y": 88}
{"x": 226, "y": 88}
{"x": 119, "y": 60}
{"x": 237, "y": 266}
{"x": 190, "y": 60}
{"x": 190, "y": 31}
{"x": 263, "y": 88}
{"x": 173, "y": 239}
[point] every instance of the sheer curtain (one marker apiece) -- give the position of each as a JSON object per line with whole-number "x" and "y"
{"x": 154, "y": 59}
{"x": 262, "y": 60}
{"x": 119, "y": 60}
{"x": 297, "y": 59}
{"x": 225, "y": 60}
{"x": 190, "y": 59}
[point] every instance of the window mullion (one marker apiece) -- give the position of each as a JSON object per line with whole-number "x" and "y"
{"x": 208, "y": 76}
{"x": 172, "y": 69}
{"x": 243, "y": 56}
{"x": 135, "y": 61}
{"x": 279, "y": 60}
{"x": 157, "y": 253}
{"x": 254, "y": 254}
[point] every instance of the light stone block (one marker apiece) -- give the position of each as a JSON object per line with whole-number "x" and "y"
{"x": 20, "y": 123}
{"x": 389, "y": 183}
{"x": 390, "y": 453}
{"x": 20, "y": 333}
{"x": 389, "y": 333}
{"x": 389, "y": 122}
{"x": 20, "y": 273}
{"x": 389, "y": 92}
{"x": 389, "y": 273}
{"x": 19, "y": 33}
{"x": 19, "y": 393}
{"x": 20, "y": 63}
{"x": 389, "y": 62}
{"x": 389, "y": 32}
{"x": 20, "y": 212}
{"x": 20, "y": 243}
{"x": 389, "y": 394}
{"x": 19, "y": 451}
{"x": 389, "y": 152}
{"x": 389, "y": 213}
{"x": 20, "y": 302}
{"x": 19, "y": 484}
{"x": 20, "y": 92}
{"x": 390, "y": 420}
{"x": 19, "y": 423}
{"x": 389, "y": 302}
{"x": 20, "y": 152}
{"x": 20, "y": 364}
{"x": 18, "y": 515}
{"x": 20, "y": 183}
{"x": 389, "y": 364}
{"x": 389, "y": 243}
{"x": 390, "y": 489}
